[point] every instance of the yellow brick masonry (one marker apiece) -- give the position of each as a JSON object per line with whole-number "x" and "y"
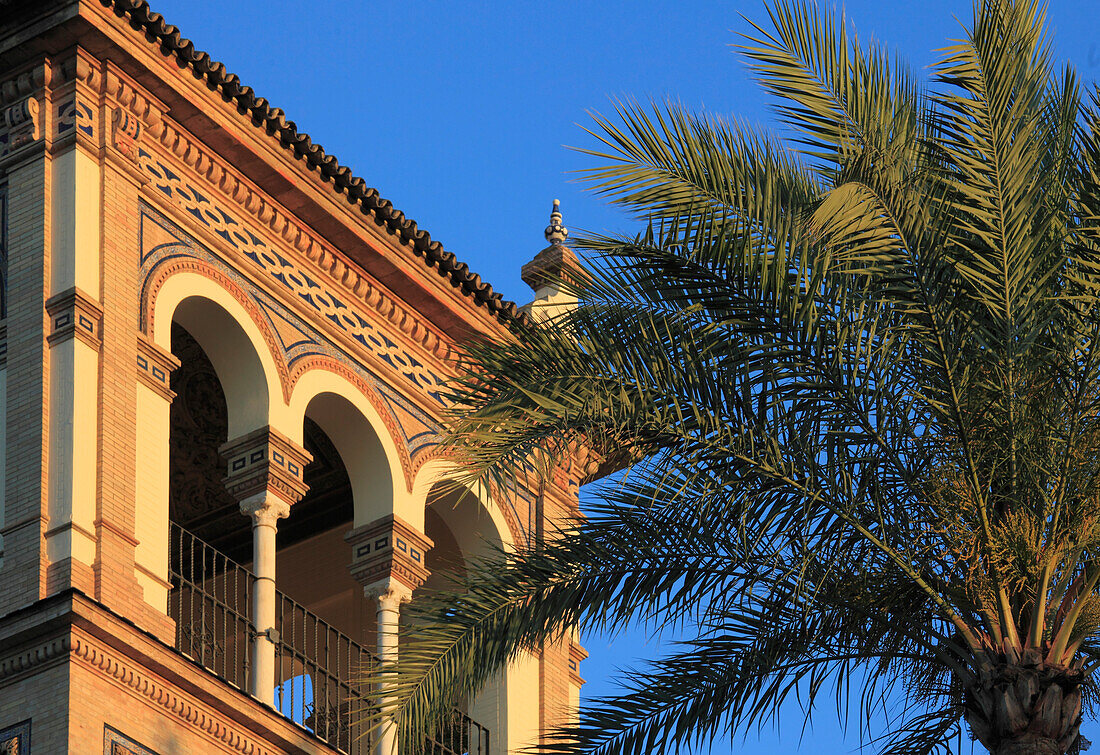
{"x": 116, "y": 584}
{"x": 27, "y": 369}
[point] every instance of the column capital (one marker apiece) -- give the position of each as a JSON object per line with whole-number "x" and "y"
{"x": 389, "y": 593}
{"x": 391, "y": 551}
{"x": 265, "y": 509}
{"x": 265, "y": 461}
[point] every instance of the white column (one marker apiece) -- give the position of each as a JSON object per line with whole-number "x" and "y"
{"x": 265, "y": 474}
{"x": 389, "y": 594}
{"x": 265, "y": 510}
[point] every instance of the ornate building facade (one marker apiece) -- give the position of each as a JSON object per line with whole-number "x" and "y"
{"x": 204, "y": 315}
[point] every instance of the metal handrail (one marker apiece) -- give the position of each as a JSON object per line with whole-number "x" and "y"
{"x": 460, "y": 735}
{"x": 210, "y": 599}
{"x": 317, "y": 666}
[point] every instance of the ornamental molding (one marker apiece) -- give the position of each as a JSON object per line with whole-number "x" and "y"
{"x": 409, "y": 465}
{"x": 296, "y": 346}
{"x": 100, "y": 659}
{"x": 166, "y": 269}
{"x": 74, "y": 314}
{"x": 33, "y": 657}
{"x": 20, "y": 129}
{"x": 576, "y": 655}
{"x": 184, "y": 708}
{"x": 25, "y": 83}
{"x": 155, "y": 367}
{"x": 285, "y": 228}
{"x": 265, "y": 461}
{"x": 389, "y": 547}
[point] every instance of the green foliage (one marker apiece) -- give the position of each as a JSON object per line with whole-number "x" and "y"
{"x": 853, "y": 384}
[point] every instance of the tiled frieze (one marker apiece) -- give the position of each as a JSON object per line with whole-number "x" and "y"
{"x": 286, "y": 274}
{"x": 74, "y": 113}
{"x": 16, "y": 740}
{"x": 117, "y": 743}
{"x": 297, "y": 343}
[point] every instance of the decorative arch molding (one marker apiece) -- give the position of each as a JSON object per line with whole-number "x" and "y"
{"x": 173, "y": 266}
{"x": 441, "y": 466}
{"x": 295, "y": 346}
{"x": 324, "y": 363}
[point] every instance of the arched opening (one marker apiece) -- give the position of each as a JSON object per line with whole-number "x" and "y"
{"x": 221, "y": 389}
{"x": 465, "y": 529}
{"x": 199, "y": 426}
{"x": 349, "y": 479}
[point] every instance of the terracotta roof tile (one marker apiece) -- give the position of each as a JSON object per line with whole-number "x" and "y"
{"x": 274, "y": 121}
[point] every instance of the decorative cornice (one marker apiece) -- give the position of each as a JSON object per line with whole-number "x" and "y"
{"x": 155, "y": 367}
{"x": 196, "y": 714}
{"x": 269, "y": 215}
{"x": 30, "y": 658}
{"x": 74, "y": 314}
{"x": 273, "y": 121}
{"x": 576, "y": 655}
{"x": 23, "y": 84}
{"x": 389, "y": 547}
{"x": 265, "y": 460}
{"x": 102, "y": 660}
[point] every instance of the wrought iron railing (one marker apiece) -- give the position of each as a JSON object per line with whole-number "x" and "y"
{"x": 210, "y": 602}
{"x": 460, "y": 735}
{"x": 316, "y": 665}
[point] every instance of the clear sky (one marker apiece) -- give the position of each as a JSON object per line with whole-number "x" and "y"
{"x": 461, "y": 113}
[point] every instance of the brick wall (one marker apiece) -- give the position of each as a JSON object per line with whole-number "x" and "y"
{"x": 27, "y": 386}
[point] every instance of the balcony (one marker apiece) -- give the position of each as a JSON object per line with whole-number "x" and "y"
{"x": 317, "y": 666}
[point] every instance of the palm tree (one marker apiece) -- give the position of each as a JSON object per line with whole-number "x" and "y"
{"x": 852, "y": 382}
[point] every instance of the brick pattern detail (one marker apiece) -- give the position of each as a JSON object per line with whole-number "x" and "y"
{"x": 265, "y": 459}
{"x": 155, "y": 367}
{"x": 74, "y": 314}
{"x": 557, "y": 679}
{"x": 28, "y": 203}
{"x": 116, "y": 583}
{"x": 16, "y": 740}
{"x": 389, "y": 547}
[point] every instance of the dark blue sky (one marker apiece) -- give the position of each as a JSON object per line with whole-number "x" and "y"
{"x": 461, "y": 114}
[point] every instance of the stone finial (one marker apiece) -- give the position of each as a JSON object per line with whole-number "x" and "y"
{"x": 556, "y": 261}
{"x": 556, "y": 232}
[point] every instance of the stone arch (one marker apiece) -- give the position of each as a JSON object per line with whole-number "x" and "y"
{"x": 472, "y": 521}
{"x": 441, "y": 471}
{"x": 232, "y": 333}
{"x": 354, "y": 418}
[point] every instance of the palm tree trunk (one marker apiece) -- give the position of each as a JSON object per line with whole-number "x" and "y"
{"x": 1026, "y": 708}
